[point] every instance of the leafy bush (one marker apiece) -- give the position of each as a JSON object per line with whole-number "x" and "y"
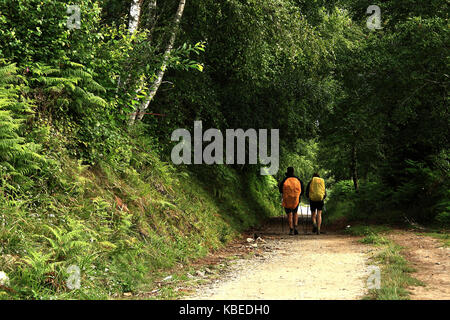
{"x": 444, "y": 217}
{"x": 35, "y": 30}
{"x": 341, "y": 202}
{"x": 426, "y": 194}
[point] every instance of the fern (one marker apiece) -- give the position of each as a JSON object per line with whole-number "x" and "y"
{"x": 73, "y": 87}
{"x": 18, "y": 159}
{"x": 65, "y": 242}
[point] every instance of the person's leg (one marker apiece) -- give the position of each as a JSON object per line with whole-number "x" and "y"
{"x": 290, "y": 221}
{"x": 313, "y": 216}
{"x": 312, "y": 206}
{"x": 295, "y": 220}
{"x": 319, "y": 219}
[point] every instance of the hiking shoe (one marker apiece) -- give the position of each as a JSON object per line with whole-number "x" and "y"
{"x": 291, "y": 232}
{"x": 295, "y": 231}
{"x": 314, "y": 230}
{"x": 318, "y": 231}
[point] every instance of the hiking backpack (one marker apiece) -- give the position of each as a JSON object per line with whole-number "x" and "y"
{"x": 291, "y": 193}
{"x": 317, "y": 189}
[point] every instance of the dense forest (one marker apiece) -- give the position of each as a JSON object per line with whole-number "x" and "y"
{"x": 91, "y": 91}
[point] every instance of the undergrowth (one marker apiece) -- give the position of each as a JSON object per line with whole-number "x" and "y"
{"x": 119, "y": 224}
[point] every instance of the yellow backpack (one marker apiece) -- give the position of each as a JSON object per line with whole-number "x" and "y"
{"x": 317, "y": 189}
{"x": 291, "y": 193}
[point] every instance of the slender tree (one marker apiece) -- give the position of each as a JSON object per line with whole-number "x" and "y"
{"x": 139, "y": 114}
{"x": 133, "y": 24}
{"x": 135, "y": 13}
{"x": 152, "y": 18}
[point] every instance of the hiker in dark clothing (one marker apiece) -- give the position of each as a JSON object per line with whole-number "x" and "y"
{"x": 292, "y": 189}
{"x": 316, "y": 193}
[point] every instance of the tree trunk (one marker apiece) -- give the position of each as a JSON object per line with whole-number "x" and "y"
{"x": 354, "y": 169}
{"x": 151, "y": 22}
{"x": 139, "y": 114}
{"x": 135, "y": 13}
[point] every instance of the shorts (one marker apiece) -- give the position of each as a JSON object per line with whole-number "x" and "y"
{"x": 289, "y": 210}
{"x": 316, "y": 205}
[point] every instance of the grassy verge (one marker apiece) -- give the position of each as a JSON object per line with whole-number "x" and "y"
{"x": 395, "y": 274}
{"x": 444, "y": 236}
{"x": 395, "y": 269}
{"x": 362, "y": 230}
{"x": 112, "y": 229}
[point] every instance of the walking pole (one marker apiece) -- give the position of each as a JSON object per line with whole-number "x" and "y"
{"x": 302, "y": 218}
{"x": 305, "y": 221}
{"x": 309, "y": 217}
{"x": 282, "y": 217}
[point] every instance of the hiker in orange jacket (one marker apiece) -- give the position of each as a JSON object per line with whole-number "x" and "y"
{"x": 292, "y": 189}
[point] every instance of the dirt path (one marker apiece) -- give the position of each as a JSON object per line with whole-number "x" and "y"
{"x": 328, "y": 266}
{"x": 431, "y": 261}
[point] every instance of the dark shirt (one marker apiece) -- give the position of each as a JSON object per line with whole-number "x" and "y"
{"x": 280, "y": 186}
{"x": 307, "y": 191}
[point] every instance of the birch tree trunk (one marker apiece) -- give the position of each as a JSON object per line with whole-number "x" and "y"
{"x": 139, "y": 114}
{"x": 135, "y": 13}
{"x": 151, "y": 23}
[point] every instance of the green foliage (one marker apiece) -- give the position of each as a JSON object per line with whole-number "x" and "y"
{"x": 69, "y": 90}
{"x": 75, "y": 220}
{"x": 264, "y": 68}
{"x": 385, "y": 128}
{"x": 355, "y": 105}
{"x": 374, "y": 239}
{"x": 368, "y": 205}
{"x": 303, "y": 157}
{"x": 18, "y": 157}
{"x": 444, "y": 217}
{"x": 36, "y": 30}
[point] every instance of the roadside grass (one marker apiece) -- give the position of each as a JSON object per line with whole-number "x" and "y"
{"x": 121, "y": 224}
{"x": 374, "y": 239}
{"x": 395, "y": 269}
{"x": 364, "y": 230}
{"x": 442, "y": 235}
{"x": 395, "y": 274}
